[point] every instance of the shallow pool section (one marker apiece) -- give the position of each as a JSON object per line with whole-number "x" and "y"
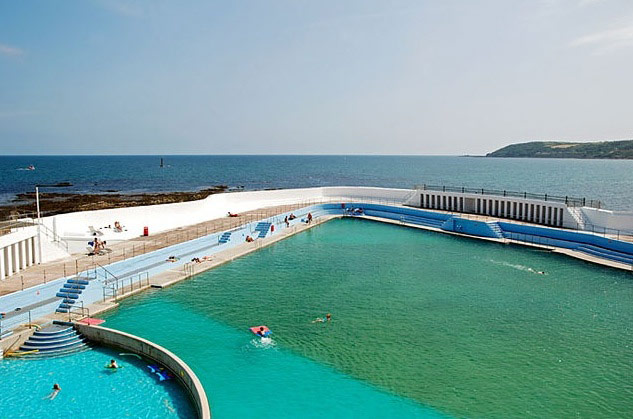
{"x": 89, "y": 389}
{"x": 420, "y": 319}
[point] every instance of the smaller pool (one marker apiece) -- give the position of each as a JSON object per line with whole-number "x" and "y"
{"x": 89, "y": 389}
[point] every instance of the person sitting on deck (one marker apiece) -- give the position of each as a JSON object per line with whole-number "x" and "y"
{"x": 292, "y": 216}
{"x": 97, "y": 246}
{"x": 249, "y": 239}
{"x": 197, "y": 260}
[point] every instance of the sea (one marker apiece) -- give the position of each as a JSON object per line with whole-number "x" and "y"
{"x": 610, "y": 181}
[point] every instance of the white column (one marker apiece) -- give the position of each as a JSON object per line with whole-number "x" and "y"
{"x": 36, "y": 255}
{"x": 22, "y": 253}
{"x": 28, "y": 251}
{"x": 33, "y": 251}
{"x": 16, "y": 257}
{"x": 2, "y": 272}
{"x": 9, "y": 253}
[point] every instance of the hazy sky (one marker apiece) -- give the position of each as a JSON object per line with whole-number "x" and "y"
{"x": 311, "y": 77}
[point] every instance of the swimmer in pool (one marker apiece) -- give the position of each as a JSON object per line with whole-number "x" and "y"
{"x": 56, "y": 390}
{"x": 327, "y": 318}
{"x": 113, "y": 364}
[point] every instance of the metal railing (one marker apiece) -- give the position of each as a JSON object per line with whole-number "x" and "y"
{"x": 567, "y": 200}
{"x": 626, "y": 235}
{"x": 54, "y": 237}
{"x": 115, "y": 287}
{"x": 22, "y": 319}
{"x": 79, "y": 310}
{"x": 522, "y": 238}
{"x": 188, "y": 269}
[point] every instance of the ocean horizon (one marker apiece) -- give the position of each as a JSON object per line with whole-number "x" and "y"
{"x": 605, "y": 180}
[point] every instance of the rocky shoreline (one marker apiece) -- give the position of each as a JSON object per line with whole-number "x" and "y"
{"x": 53, "y": 203}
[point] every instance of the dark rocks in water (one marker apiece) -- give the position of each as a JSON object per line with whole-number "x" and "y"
{"x": 53, "y": 203}
{"x": 56, "y": 185}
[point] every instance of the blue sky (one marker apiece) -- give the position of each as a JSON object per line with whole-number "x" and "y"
{"x": 311, "y": 77}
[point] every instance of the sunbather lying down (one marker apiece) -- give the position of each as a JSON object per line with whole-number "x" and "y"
{"x": 231, "y": 214}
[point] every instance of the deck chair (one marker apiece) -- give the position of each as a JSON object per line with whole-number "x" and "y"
{"x": 94, "y": 231}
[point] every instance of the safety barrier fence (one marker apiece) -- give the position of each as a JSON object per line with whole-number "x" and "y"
{"x": 567, "y": 200}
{"x": 25, "y": 318}
{"x": 115, "y": 287}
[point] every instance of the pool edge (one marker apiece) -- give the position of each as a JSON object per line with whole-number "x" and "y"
{"x": 148, "y": 349}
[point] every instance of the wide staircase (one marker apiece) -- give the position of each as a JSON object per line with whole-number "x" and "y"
{"x": 71, "y": 291}
{"x": 606, "y": 253}
{"x": 579, "y": 217}
{"x": 262, "y": 228}
{"x": 225, "y": 237}
{"x": 423, "y": 221}
{"x": 58, "y": 339}
{"x": 496, "y": 229}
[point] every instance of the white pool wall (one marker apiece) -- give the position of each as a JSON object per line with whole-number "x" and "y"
{"x": 170, "y": 216}
{"x": 74, "y": 227}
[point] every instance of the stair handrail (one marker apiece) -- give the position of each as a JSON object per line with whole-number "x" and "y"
{"x": 409, "y": 196}
{"x": 106, "y": 280}
{"x": 56, "y": 238}
{"x": 84, "y": 311}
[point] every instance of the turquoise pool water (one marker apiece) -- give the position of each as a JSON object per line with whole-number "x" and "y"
{"x": 422, "y": 323}
{"x": 89, "y": 389}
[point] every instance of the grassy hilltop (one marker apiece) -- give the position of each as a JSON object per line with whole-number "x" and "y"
{"x": 555, "y": 149}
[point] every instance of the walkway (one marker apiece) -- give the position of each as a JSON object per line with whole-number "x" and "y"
{"x": 40, "y": 274}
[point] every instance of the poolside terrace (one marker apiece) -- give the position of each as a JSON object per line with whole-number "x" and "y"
{"x": 74, "y": 264}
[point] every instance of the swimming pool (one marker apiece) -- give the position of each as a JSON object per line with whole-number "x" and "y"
{"x": 89, "y": 389}
{"x": 424, "y": 324}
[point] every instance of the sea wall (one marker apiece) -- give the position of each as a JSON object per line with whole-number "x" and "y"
{"x": 170, "y": 216}
{"x": 156, "y": 353}
{"x": 80, "y": 225}
{"x": 616, "y": 220}
{"x": 365, "y": 193}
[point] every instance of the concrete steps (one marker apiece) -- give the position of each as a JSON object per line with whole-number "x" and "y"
{"x": 262, "y": 228}
{"x": 429, "y": 222}
{"x": 58, "y": 339}
{"x": 496, "y": 229}
{"x": 70, "y": 292}
{"x": 606, "y": 253}
{"x": 225, "y": 237}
